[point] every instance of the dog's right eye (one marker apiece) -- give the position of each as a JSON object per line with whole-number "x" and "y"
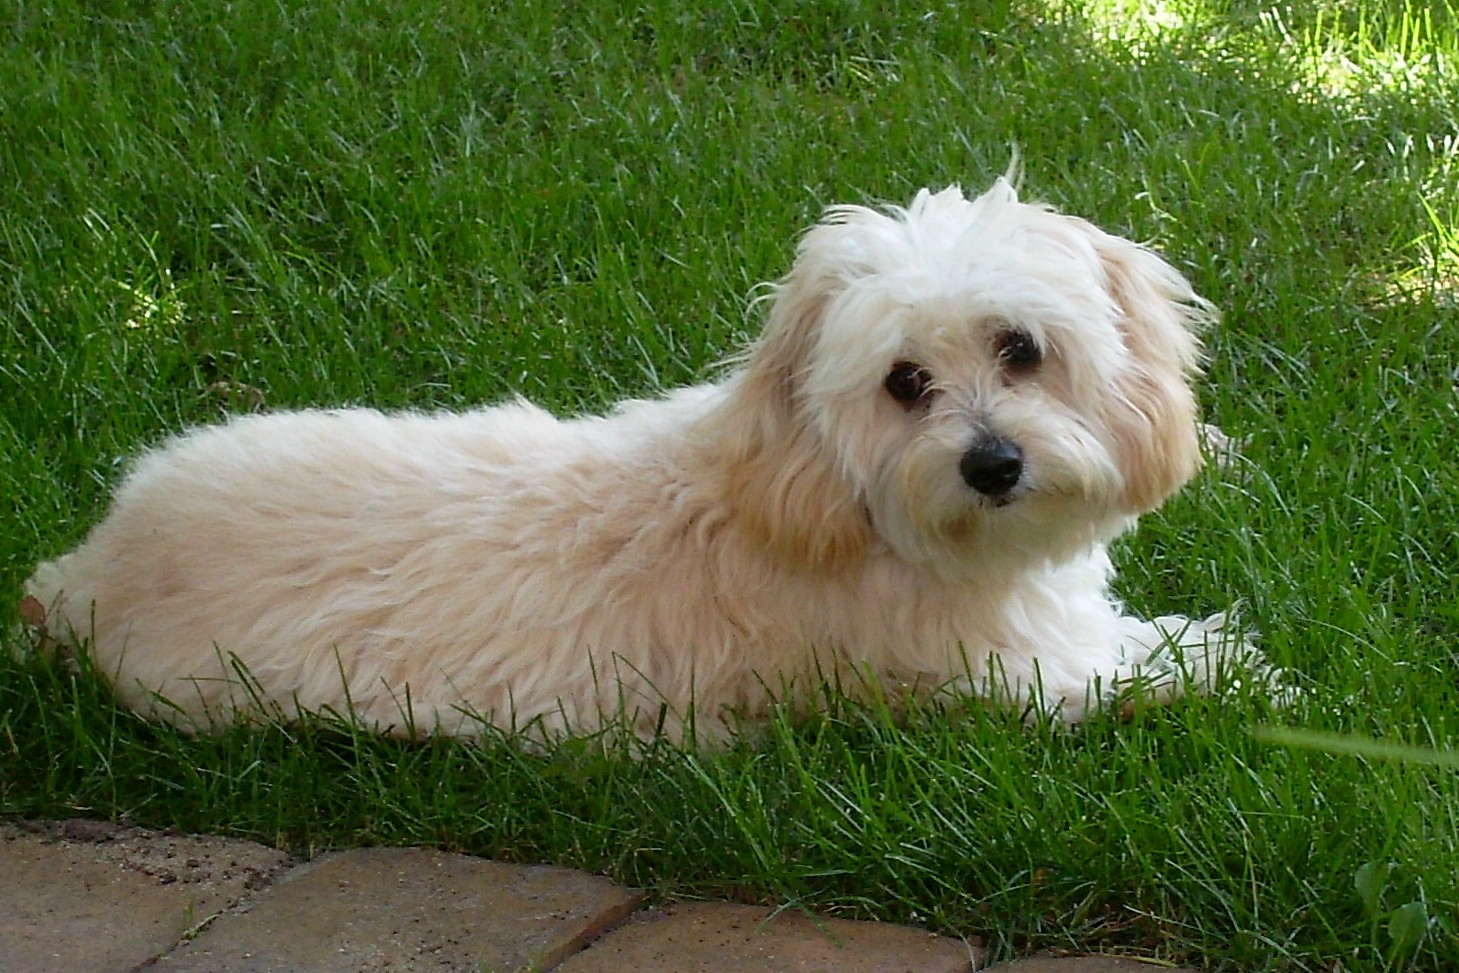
{"x": 908, "y": 383}
{"x": 1018, "y": 351}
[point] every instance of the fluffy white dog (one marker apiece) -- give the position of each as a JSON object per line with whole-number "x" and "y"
{"x": 909, "y": 480}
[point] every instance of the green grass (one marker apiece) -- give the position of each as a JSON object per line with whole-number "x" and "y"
{"x": 203, "y": 206}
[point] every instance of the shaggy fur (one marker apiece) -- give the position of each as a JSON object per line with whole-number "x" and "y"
{"x": 812, "y": 515}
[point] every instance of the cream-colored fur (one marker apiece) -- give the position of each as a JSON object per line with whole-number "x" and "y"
{"x": 708, "y": 550}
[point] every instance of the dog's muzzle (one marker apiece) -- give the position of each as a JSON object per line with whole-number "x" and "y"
{"x": 992, "y": 467}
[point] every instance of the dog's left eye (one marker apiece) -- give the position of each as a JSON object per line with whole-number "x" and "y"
{"x": 1017, "y": 350}
{"x": 908, "y": 383}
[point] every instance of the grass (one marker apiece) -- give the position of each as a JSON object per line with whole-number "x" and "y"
{"x": 206, "y": 208}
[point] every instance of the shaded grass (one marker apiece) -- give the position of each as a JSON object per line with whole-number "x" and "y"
{"x": 205, "y": 208}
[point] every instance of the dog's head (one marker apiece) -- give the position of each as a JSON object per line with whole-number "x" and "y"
{"x": 963, "y": 378}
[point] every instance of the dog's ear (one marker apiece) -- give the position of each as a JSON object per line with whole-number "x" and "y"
{"x": 782, "y": 481}
{"x": 1152, "y": 410}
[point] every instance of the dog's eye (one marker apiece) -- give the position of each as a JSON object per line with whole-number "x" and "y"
{"x": 1018, "y": 352}
{"x": 908, "y": 383}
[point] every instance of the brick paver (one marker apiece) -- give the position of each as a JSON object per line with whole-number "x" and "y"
{"x": 401, "y": 910}
{"x": 1083, "y": 964}
{"x": 717, "y": 937}
{"x": 91, "y": 897}
{"x": 87, "y": 897}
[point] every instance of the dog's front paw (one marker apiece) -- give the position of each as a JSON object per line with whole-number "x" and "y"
{"x": 1173, "y": 655}
{"x": 1223, "y": 450}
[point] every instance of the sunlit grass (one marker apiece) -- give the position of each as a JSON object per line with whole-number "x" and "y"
{"x": 1141, "y": 25}
{"x": 1337, "y": 53}
{"x": 1354, "y": 50}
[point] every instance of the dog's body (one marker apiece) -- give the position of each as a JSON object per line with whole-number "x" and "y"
{"x": 909, "y": 480}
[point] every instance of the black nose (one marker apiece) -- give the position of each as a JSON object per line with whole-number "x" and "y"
{"x": 992, "y": 467}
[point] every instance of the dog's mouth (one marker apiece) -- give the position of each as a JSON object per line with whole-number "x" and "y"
{"x": 1000, "y": 501}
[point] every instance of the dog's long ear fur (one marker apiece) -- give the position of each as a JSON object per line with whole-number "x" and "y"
{"x": 1153, "y": 414}
{"x": 782, "y": 482}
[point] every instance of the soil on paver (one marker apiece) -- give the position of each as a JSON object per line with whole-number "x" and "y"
{"x": 166, "y": 858}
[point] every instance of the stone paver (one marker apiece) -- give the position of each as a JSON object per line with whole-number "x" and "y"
{"x": 90, "y": 897}
{"x": 401, "y": 910}
{"x": 718, "y": 937}
{"x": 1083, "y": 964}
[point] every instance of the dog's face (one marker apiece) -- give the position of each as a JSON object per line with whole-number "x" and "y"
{"x": 968, "y": 380}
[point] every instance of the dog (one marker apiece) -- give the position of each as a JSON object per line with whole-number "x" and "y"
{"x": 907, "y": 484}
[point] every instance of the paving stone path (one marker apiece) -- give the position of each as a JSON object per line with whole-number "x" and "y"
{"x": 91, "y": 897}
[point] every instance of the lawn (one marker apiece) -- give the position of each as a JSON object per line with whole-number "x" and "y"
{"x": 212, "y": 208}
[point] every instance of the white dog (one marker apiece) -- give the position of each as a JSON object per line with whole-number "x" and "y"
{"x": 909, "y": 480}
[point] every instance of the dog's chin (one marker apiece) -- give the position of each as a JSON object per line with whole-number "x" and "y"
{"x": 1023, "y": 529}
{"x": 1052, "y": 526}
